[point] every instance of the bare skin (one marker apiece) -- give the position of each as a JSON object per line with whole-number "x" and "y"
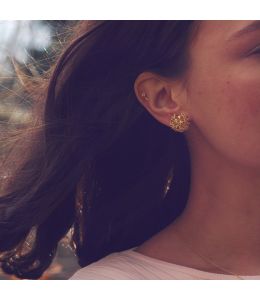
{"x": 222, "y": 97}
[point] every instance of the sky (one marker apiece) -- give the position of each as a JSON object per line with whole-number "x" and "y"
{"x": 17, "y": 36}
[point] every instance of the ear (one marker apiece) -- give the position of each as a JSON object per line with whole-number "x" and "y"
{"x": 166, "y": 96}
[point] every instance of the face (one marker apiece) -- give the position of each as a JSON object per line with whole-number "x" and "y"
{"x": 223, "y": 89}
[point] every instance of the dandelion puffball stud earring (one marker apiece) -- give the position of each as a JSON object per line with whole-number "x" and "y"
{"x": 178, "y": 122}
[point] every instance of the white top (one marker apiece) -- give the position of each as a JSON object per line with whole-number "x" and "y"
{"x": 129, "y": 264}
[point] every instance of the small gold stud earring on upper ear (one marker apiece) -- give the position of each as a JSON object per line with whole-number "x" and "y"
{"x": 144, "y": 95}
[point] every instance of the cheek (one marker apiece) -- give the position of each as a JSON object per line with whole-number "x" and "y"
{"x": 242, "y": 95}
{"x": 242, "y": 110}
{"x": 232, "y": 102}
{"x": 227, "y": 112}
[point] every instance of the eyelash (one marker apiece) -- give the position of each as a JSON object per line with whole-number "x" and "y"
{"x": 255, "y": 51}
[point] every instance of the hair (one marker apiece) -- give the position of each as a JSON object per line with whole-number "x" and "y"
{"x": 95, "y": 161}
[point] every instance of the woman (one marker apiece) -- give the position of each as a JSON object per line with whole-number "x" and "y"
{"x": 149, "y": 150}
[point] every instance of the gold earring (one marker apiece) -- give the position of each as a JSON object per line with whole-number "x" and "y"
{"x": 179, "y": 122}
{"x": 144, "y": 95}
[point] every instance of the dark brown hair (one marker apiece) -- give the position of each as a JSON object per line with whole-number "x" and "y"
{"x": 96, "y": 162}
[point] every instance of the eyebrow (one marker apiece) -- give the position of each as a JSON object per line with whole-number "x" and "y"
{"x": 252, "y": 27}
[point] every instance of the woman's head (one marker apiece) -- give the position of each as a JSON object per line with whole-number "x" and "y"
{"x": 221, "y": 93}
{"x": 102, "y": 164}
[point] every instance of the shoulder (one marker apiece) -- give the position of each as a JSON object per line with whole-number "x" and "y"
{"x": 118, "y": 265}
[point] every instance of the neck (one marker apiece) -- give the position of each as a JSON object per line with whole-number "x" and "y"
{"x": 222, "y": 216}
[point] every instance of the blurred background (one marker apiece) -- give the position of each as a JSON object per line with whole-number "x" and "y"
{"x": 30, "y": 43}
